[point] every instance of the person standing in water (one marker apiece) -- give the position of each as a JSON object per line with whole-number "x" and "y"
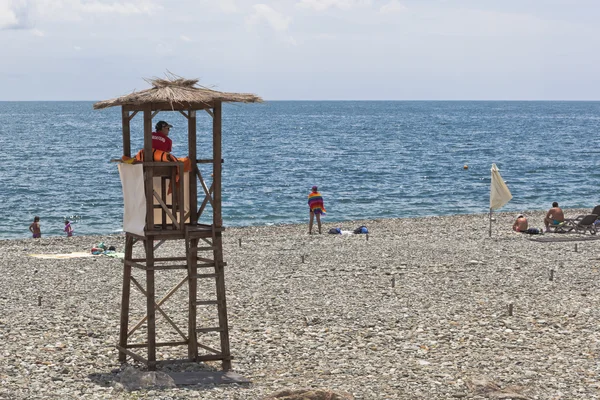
{"x": 35, "y": 229}
{"x": 316, "y": 207}
{"x": 68, "y": 228}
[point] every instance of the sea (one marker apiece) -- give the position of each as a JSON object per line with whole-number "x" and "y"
{"x": 370, "y": 160}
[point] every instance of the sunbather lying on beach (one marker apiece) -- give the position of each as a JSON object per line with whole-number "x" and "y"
{"x": 521, "y": 225}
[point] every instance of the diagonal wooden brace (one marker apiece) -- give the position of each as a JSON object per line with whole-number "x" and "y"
{"x": 169, "y": 320}
{"x": 166, "y": 209}
{"x": 207, "y": 191}
{"x": 169, "y": 294}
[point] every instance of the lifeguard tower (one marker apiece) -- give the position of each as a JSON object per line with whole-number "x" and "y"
{"x": 161, "y": 204}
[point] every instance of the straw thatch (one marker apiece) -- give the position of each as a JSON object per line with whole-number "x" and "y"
{"x": 178, "y": 93}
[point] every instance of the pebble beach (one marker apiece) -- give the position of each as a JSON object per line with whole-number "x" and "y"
{"x": 420, "y": 308}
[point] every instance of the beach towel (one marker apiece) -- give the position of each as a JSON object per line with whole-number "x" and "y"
{"x": 61, "y": 256}
{"x": 315, "y": 203}
{"x": 134, "y": 198}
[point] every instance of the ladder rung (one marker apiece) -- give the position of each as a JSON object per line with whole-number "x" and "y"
{"x": 217, "y": 329}
{"x": 204, "y": 276}
{"x": 206, "y": 302}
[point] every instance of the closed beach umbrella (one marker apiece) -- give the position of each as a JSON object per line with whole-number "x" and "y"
{"x": 499, "y": 193}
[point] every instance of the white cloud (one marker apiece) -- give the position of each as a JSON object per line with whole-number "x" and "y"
{"x": 77, "y": 48}
{"x": 37, "y": 32}
{"x": 228, "y": 6}
{"x": 273, "y": 18}
{"x": 11, "y": 14}
{"x": 123, "y": 8}
{"x": 185, "y": 38}
{"x": 39, "y": 11}
{"x": 322, "y": 5}
{"x": 393, "y": 6}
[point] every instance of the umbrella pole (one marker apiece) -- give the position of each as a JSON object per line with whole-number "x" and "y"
{"x": 490, "y": 222}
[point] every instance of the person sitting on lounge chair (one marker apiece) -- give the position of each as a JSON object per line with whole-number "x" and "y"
{"x": 554, "y": 216}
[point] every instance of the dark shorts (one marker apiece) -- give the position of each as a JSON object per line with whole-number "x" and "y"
{"x": 37, "y": 235}
{"x": 317, "y": 212}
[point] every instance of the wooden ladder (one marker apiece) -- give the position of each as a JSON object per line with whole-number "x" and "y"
{"x": 197, "y": 241}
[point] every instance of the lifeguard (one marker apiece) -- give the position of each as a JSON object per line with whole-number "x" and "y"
{"x": 160, "y": 138}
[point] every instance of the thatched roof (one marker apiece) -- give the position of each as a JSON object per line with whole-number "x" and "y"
{"x": 178, "y": 93}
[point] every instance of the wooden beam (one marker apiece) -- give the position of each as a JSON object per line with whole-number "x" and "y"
{"x": 154, "y": 113}
{"x": 132, "y": 355}
{"x": 130, "y": 263}
{"x": 165, "y": 298}
{"x": 132, "y": 115}
{"x": 150, "y": 303}
{"x": 166, "y": 209}
{"x": 209, "y": 112}
{"x": 148, "y": 168}
{"x": 184, "y": 114}
{"x": 207, "y": 191}
{"x": 166, "y": 106}
{"x": 126, "y": 133}
{"x": 192, "y": 146}
{"x": 160, "y": 310}
{"x": 125, "y": 296}
{"x": 217, "y": 239}
{"x": 161, "y": 344}
{"x": 205, "y": 201}
{"x": 160, "y": 259}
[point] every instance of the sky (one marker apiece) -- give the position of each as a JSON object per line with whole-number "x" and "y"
{"x": 304, "y": 49}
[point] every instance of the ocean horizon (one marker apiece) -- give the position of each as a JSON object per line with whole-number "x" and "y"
{"x": 370, "y": 159}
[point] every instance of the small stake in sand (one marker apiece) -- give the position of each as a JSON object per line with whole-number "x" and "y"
{"x": 510, "y": 310}
{"x": 367, "y": 237}
{"x": 302, "y": 259}
{"x": 575, "y": 247}
{"x": 240, "y": 242}
{"x": 39, "y": 301}
{"x": 393, "y": 281}
{"x": 551, "y": 274}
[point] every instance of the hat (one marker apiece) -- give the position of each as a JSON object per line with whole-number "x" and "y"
{"x": 314, "y": 188}
{"x": 520, "y": 216}
{"x": 162, "y": 124}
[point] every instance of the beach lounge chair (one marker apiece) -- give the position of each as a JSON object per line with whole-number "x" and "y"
{"x": 566, "y": 226}
{"x": 596, "y": 211}
{"x": 587, "y": 223}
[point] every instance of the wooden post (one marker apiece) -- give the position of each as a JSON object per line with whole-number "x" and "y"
{"x": 150, "y": 303}
{"x": 510, "y": 310}
{"x": 192, "y": 261}
{"x": 125, "y": 296}
{"x": 148, "y": 171}
{"x": 126, "y": 132}
{"x": 193, "y": 157}
{"x": 218, "y": 241}
{"x": 490, "y": 222}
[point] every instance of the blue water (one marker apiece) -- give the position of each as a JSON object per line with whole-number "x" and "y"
{"x": 370, "y": 159}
